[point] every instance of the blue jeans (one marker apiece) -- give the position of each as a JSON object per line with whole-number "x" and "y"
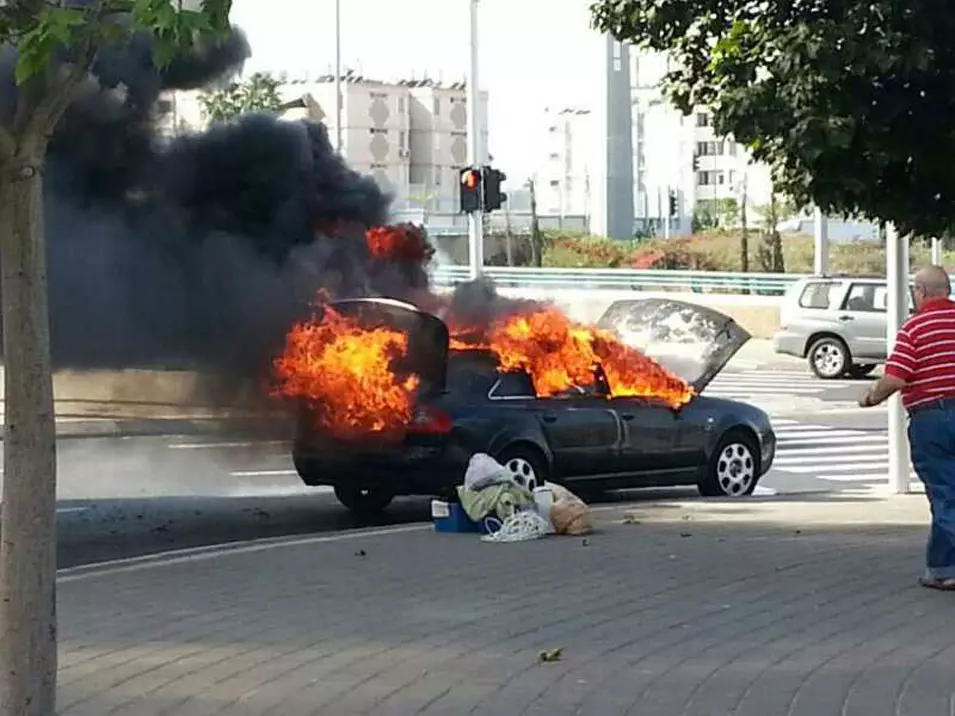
{"x": 932, "y": 437}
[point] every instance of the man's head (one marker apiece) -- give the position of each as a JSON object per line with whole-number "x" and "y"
{"x": 931, "y": 283}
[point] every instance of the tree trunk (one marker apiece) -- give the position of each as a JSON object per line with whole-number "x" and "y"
{"x": 744, "y": 237}
{"x": 537, "y": 244}
{"x": 28, "y": 659}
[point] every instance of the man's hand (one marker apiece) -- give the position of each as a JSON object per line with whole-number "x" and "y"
{"x": 880, "y": 391}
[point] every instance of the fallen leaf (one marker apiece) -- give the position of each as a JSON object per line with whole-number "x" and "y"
{"x": 550, "y": 655}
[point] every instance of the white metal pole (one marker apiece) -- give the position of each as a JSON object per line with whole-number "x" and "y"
{"x": 937, "y": 251}
{"x": 338, "y": 76}
{"x": 897, "y": 281}
{"x": 821, "y": 245}
{"x": 475, "y": 218}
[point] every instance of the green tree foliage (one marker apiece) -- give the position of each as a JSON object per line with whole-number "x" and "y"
{"x": 715, "y": 214}
{"x": 260, "y": 92}
{"x": 55, "y": 45}
{"x": 849, "y": 102}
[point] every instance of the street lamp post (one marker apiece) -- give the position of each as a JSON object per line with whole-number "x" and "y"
{"x": 338, "y": 76}
{"x": 475, "y": 218}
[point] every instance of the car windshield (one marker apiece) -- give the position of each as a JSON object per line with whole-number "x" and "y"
{"x": 692, "y": 341}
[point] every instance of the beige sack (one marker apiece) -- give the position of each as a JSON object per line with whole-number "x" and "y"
{"x": 571, "y": 517}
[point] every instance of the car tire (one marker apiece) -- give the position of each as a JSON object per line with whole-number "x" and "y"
{"x": 733, "y": 470}
{"x": 861, "y": 371}
{"x": 362, "y": 499}
{"x": 526, "y": 465}
{"x": 829, "y": 358}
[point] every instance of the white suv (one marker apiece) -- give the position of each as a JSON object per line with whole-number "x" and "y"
{"x": 837, "y": 323}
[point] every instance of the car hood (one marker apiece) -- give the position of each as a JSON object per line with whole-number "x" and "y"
{"x": 428, "y": 339}
{"x": 693, "y": 341}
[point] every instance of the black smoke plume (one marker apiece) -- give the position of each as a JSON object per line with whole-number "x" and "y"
{"x": 197, "y": 252}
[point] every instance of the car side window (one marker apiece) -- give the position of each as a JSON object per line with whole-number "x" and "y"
{"x": 513, "y": 386}
{"x": 818, "y": 295}
{"x": 866, "y": 297}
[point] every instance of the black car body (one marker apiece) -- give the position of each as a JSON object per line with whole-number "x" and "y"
{"x": 583, "y": 439}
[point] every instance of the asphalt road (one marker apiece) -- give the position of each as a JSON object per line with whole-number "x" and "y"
{"x": 122, "y": 497}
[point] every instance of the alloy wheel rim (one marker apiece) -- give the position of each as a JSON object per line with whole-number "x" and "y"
{"x": 735, "y": 470}
{"x": 829, "y": 359}
{"x": 522, "y": 472}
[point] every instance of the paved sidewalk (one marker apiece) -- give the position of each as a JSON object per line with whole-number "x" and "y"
{"x": 803, "y": 607}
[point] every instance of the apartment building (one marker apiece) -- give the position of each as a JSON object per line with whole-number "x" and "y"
{"x": 564, "y": 182}
{"x": 410, "y": 135}
{"x": 682, "y": 154}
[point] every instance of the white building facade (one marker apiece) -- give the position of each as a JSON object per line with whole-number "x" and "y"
{"x": 682, "y": 155}
{"x": 564, "y": 181}
{"x": 411, "y": 136}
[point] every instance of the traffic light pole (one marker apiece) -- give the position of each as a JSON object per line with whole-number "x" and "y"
{"x": 475, "y": 218}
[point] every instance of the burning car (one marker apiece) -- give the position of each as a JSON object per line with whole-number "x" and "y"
{"x": 393, "y": 404}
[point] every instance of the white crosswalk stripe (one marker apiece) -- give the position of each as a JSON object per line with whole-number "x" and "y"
{"x": 834, "y": 454}
{"x": 751, "y": 384}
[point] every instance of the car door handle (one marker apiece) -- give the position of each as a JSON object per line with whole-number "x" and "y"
{"x": 846, "y": 318}
{"x": 550, "y": 418}
{"x": 628, "y": 416}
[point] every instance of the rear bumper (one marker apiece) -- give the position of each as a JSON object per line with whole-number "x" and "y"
{"x": 412, "y": 471}
{"x": 790, "y": 344}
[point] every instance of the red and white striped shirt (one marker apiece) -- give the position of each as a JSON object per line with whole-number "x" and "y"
{"x": 924, "y": 354}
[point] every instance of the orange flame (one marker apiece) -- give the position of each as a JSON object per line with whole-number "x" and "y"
{"x": 559, "y": 354}
{"x": 400, "y": 242}
{"x": 345, "y": 372}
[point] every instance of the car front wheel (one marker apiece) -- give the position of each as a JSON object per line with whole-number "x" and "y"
{"x": 526, "y": 466}
{"x": 363, "y": 500}
{"x": 829, "y": 358}
{"x": 734, "y": 468}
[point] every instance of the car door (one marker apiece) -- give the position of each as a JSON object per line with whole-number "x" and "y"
{"x": 584, "y": 434}
{"x": 862, "y": 320}
{"x": 649, "y": 436}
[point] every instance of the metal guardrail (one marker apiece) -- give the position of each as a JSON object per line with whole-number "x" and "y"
{"x": 768, "y": 284}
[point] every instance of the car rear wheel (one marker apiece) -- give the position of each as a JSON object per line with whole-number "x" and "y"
{"x": 363, "y": 500}
{"x": 861, "y": 371}
{"x": 734, "y": 468}
{"x": 526, "y": 466}
{"x": 829, "y": 358}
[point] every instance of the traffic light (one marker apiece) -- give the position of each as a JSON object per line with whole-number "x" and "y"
{"x": 673, "y": 204}
{"x": 494, "y": 198}
{"x": 470, "y": 190}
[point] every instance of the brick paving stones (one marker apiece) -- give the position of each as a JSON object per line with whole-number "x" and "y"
{"x": 784, "y": 606}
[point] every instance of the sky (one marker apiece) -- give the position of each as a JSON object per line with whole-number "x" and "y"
{"x": 534, "y": 53}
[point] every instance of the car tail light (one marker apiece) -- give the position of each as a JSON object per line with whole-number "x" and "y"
{"x": 429, "y": 420}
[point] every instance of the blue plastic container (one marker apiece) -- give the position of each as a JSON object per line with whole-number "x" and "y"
{"x": 451, "y": 517}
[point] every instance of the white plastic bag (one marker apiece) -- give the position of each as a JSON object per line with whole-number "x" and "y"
{"x": 484, "y": 471}
{"x": 543, "y": 501}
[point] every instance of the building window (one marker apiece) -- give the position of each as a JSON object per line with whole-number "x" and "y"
{"x": 401, "y": 105}
{"x": 437, "y": 105}
{"x": 437, "y": 177}
{"x": 554, "y": 156}
{"x": 710, "y": 178}
{"x": 710, "y": 149}
{"x": 402, "y": 140}
{"x": 702, "y": 119}
{"x": 554, "y": 183}
{"x": 378, "y": 95}
{"x": 377, "y": 130}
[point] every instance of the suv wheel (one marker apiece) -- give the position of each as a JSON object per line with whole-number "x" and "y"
{"x": 829, "y": 358}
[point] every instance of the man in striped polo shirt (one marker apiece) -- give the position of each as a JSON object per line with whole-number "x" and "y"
{"x": 922, "y": 366}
